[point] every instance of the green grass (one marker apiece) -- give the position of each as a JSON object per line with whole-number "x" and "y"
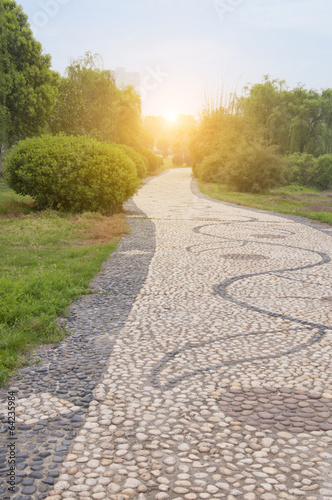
{"x": 47, "y": 260}
{"x": 13, "y": 204}
{"x": 292, "y": 199}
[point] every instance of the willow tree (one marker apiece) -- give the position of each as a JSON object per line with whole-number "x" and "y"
{"x": 297, "y": 120}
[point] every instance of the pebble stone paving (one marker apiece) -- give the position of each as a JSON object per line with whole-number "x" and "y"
{"x": 199, "y": 369}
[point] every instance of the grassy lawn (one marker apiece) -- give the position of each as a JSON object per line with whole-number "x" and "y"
{"x": 292, "y": 199}
{"x": 47, "y": 260}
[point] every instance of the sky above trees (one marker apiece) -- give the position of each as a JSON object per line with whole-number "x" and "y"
{"x": 186, "y": 50}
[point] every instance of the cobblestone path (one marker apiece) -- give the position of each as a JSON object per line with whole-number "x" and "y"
{"x": 219, "y": 383}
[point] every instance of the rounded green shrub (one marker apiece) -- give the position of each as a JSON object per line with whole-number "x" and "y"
{"x": 74, "y": 174}
{"x": 300, "y": 168}
{"x": 307, "y": 170}
{"x": 212, "y": 168}
{"x": 154, "y": 161}
{"x": 140, "y": 161}
{"x": 323, "y": 172}
{"x": 249, "y": 167}
{"x": 254, "y": 167}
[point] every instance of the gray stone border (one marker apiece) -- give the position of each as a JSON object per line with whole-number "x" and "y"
{"x": 71, "y": 369}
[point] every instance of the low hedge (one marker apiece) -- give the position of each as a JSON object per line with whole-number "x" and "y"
{"x": 140, "y": 161}
{"x": 74, "y": 174}
{"x": 323, "y": 172}
{"x": 301, "y": 169}
{"x": 307, "y": 170}
{"x": 154, "y": 161}
{"x": 249, "y": 167}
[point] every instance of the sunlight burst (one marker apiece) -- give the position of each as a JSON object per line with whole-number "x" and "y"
{"x": 171, "y": 116}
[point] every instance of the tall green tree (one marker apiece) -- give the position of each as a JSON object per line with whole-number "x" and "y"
{"x": 128, "y": 116}
{"x": 28, "y": 87}
{"x": 297, "y": 120}
{"x": 145, "y": 137}
{"x": 306, "y": 120}
{"x": 90, "y": 103}
{"x": 3, "y": 63}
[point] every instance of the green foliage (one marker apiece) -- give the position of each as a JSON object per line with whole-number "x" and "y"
{"x": 69, "y": 114}
{"x": 90, "y": 103}
{"x": 4, "y": 125}
{"x": 72, "y": 173}
{"x": 301, "y": 169}
{"x": 139, "y": 160}
{"x": 28, "y": 87}
{"x": 254, "y": 167}
{"x": 297, "y": 120}
{"x": 292, "y": 199}
{"x": 14, "y": 204}
{"x": 212, "y": 168}
{"x": 219, "y": 132}
{"x": 46, "y": 262}
{"x": 248, "y": 167}
{"x": 323, "y": 174}
{"x": 240, "y": 145}
{"x": 145, "y": 138}
{"x": 228, "y": 149}
{"x": 154, "y": 161}
{"x": 309, "y": 171}
{"x": 128, "y": 117}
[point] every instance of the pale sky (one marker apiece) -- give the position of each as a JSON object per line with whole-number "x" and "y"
{"x": 185, "y": 49}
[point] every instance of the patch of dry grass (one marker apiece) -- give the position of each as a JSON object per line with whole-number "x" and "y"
{"x": 96, "y": 229}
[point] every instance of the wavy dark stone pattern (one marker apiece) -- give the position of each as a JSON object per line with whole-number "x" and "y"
{"x": 280, "y": 409}
{"x": 222, "y": 290}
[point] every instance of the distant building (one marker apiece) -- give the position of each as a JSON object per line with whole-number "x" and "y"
{"x": 125, "y": 78}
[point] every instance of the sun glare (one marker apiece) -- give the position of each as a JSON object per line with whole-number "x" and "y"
{"x": 171, "y": 117}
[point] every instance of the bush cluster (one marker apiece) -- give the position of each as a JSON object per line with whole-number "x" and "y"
{"x": 154, "y": 161}
{"x": 181, "y": 159}
{"x": 227, "y": 149}
{"x": 254, "y": 167}
{"x": 249, "y": 167}
{"x": 74, "y": 174}
{"x": 139, "y": 160}
{"x": 309, "y": 171}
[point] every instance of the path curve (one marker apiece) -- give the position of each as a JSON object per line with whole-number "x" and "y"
{"x": 219, "y": 384}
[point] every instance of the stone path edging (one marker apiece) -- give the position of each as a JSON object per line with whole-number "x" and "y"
{"x": 53, "y": 395}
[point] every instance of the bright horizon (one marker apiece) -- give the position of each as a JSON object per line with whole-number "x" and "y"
{"x": 187, "y": 50}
